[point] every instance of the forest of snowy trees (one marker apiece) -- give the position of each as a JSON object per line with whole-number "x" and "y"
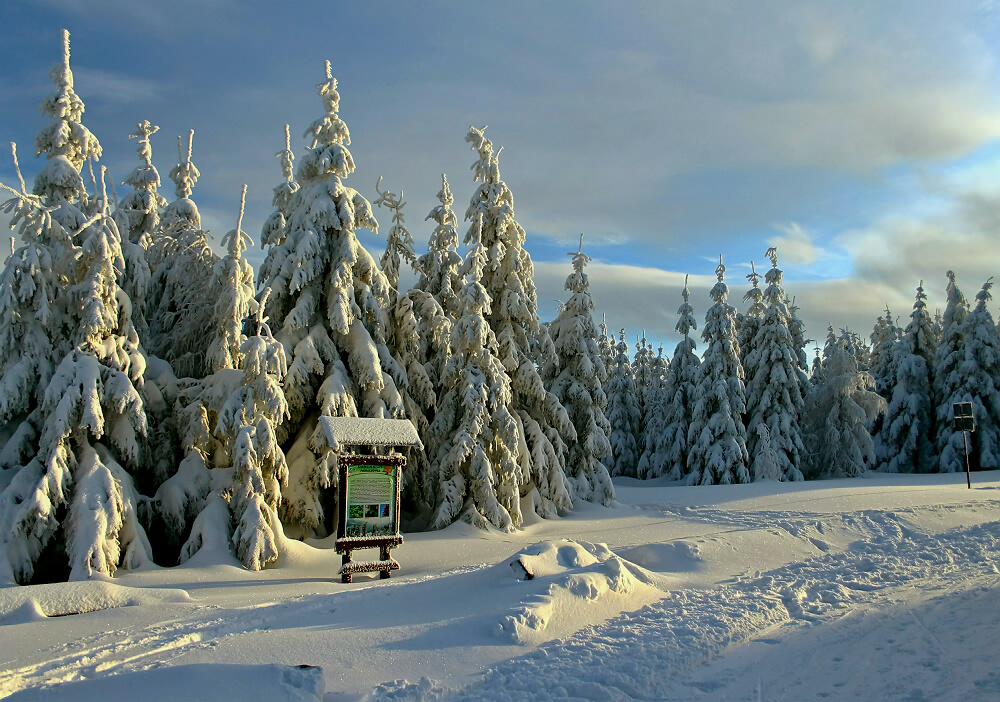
{"x": 156, "y": 397}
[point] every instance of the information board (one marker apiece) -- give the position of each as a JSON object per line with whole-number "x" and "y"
{"x": 371, "y": 500}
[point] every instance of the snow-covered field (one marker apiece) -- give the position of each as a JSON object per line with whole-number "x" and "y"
{"x": 874, "y": 589}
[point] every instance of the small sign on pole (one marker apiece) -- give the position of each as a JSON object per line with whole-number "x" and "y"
{"x": 965, "y": 422}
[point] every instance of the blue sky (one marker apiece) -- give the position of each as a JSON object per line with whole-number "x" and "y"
{"x": 862, "y": 138}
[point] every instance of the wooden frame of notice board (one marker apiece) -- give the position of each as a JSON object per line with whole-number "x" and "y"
{"x": 368, "y": 492}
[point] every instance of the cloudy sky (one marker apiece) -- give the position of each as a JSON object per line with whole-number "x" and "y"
{"x": 863, "y": 139}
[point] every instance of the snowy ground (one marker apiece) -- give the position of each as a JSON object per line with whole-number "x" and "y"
{"x": 875, "y": 589}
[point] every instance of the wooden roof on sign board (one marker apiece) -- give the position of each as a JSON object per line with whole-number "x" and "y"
{"x": 341, "y": 432}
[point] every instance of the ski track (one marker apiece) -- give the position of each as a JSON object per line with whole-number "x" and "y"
{"x": 645, "y": 654}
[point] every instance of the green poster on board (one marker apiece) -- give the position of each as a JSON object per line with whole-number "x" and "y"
{"x": 371, "y": 500}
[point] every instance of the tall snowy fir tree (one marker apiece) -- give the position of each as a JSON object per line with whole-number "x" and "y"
{"x": 748, "y": 323}
{"x": 522, "y": 340}
{"x": 249, "y": 416}
{"x": 476, "y": 439}
{"x": 328, "y": 296}
{"x": 72, "y": 494}
{"x": 949, "y": 377}
{"x": 717, "y": 452}
{"x": 579, "y": 387}
{"x": 906, "y": 442}
{"x": 978, "y": 382}
{"x": 622, "y": 413}
{"x": 439, "y": 266}
{"x": 139, "y": 211}
{"x": 774, "y": 389}
{"x": 179, "y": 304}
{"x": 653, "y": 456}
{"x": 679, "y": 389}
{"x": 884, "y": 336}
{"x": 273, "y": 232}
{"x": 399, "y": 243}
{"x": 418, "y": 327}
{"x": 836, "y": 417}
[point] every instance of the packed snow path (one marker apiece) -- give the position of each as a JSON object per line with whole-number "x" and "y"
{"x": 653, "y": 654}
{"x": 874, "y": 589}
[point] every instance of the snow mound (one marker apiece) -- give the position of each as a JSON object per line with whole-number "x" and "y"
{"x": 192, "y": 683}
{"x": 32, "y": 602}
{"x": 576, "y": 576}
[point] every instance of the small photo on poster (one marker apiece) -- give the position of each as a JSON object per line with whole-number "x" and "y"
{"x": 371, "y": 511}
{"x": 357, "y": 512}
{"x": 384, "y": 511}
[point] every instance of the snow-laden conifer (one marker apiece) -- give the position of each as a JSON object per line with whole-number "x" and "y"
{"x": 399, "y": 243}
{"x": 979, "y": 383}
{"x": 775, "y": 385}
{"x": 273, "y": 232}
{"x": 418, "y": 329}
{"x": 797, "y": 329}
{"x": 476, "y": 440}
{"x": 90, "y": 414}
{"x": 622, "y": 413}
{"x": 682, "y": 378}
{"x": 884, "y": 336}
{"x": 748, "y": 323}
{"x": 836, "y": 417}
{"x": 329, "y": 298}
{"x": 524, "y": 346}
{"x": 949, "y": 360}
{"x": 654, "y": 455}
{"x": 250, "y": 416}
{"x": 717, "y": 438}
{"x": 906, "y": 442}
{"x": 180, "y": 305}
{"x": 579, "y": 387}
{"x": 439, "y": 266}
{"x": 138, "y": 215}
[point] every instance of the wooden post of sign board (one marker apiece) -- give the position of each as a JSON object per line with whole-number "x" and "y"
{"x": 968, "y": 474}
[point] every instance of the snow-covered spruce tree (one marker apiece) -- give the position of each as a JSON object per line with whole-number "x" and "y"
{"x": 797, "y": 329}
{"x": 250, "y": 415}
{"x": 606, "y": 345}
{"x": 418, "y": 329}
{"x": 622, "y": 413}
{"x": 949, "y": 362}
{"x": 775, "y": 385}
{"x": 816, "y": 374}
{"x": 439, "y": 266}
{"x": 579, "y": 387}
{"x": 682, "y": 378}
{"x": 717, "y": 438}
{"x": 71, "y": 494}
{"x": 654, "y": 455}
{"x": 884, "y": 336}
{"x": 179, "y": 306}
{"x": 522, "y": 340}
{"x": 74, "y": 490}
{"x": 642, "y": 374}
{"x": 747, "y": 324}
{"x": 476, "y": 439}
{"x": 31, "y": 321}
{"x": 329, "y": 297}
{"x": 836, "y": 417}
{"x": 399, "y": 243}
{"x": 273, "y": 232}
{"x": 979, "y": 383}
{"x": 906, "y": 442}
{"x": 140, "y": 212}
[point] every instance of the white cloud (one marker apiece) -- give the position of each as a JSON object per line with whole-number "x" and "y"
{"x": 796, "y": 246}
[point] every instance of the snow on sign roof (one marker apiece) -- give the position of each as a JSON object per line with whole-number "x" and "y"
{"x": 360, "y": 431}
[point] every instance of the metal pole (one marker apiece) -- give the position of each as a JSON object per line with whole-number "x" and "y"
{"x": 968, "y": 479}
